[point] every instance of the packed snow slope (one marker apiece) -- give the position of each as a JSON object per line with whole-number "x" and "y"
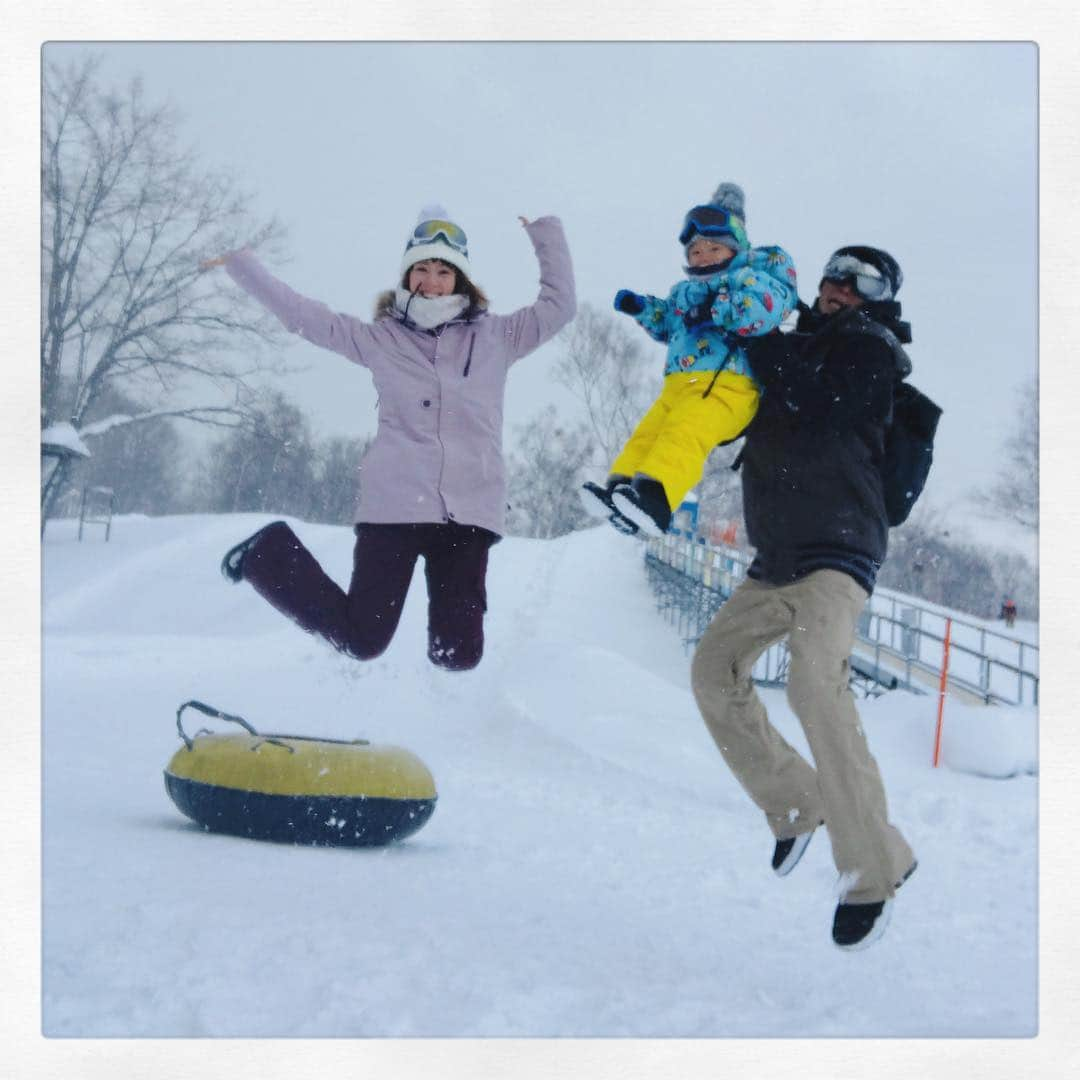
{"x": 591, "y": 868}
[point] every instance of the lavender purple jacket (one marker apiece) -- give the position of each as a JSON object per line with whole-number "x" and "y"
{"x": 437, "y": 453}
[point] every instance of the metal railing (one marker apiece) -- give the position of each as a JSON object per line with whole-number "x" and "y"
{"x": 908, "y": 635}
{"x": 899, "y": 638}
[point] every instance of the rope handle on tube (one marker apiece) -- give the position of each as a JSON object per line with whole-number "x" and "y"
{"x": 209, "y": 710}
{"x": 274, "y": 740}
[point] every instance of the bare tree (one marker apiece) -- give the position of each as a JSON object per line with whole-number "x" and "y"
{"x": 545, "y": 473}
{"x": 1015, "y": 493}
{"x": 926, "y": 560}
{"x": 269, "y": 466}
{"x": 605, "y": 367}
{"x": 928, "y": 563}
{"x": 338, "y": 479}
{"x": 126, "y": 217}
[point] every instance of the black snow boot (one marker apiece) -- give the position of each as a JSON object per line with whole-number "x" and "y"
{"x": 232, "y": 566}
{"x": 645, "y": 503}
{"x": 855, "y": 926}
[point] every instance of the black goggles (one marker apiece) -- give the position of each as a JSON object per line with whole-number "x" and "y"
{"x": 712, "y": 222}
{"x": 869, "y": 281}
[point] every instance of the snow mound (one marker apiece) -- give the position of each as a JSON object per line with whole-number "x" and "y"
{"x": 988, "y": 741}
{"x": 593, "y": 869}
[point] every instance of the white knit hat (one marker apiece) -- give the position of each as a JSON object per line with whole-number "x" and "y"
{"x": 437, "y": 237}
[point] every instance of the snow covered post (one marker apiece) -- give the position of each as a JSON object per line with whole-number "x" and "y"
{"x": 941, "y": 691}
{"x": 59, "y": 443}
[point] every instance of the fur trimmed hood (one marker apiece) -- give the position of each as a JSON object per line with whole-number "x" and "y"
{"x": 384, "y": 304}
{"x": 385, "y": 307}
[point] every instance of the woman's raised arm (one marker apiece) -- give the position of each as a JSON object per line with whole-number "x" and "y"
{"x": 311, "y": 319}
{"x": 530, "y": 327}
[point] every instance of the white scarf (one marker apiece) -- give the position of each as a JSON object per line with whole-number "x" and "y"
{"x": 430, "y": 311}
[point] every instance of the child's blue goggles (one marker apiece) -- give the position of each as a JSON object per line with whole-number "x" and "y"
{"x": 454, "y": 235}
{"x": 710, "y": 221}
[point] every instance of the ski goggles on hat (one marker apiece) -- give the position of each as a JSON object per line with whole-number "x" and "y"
{"x": 869, "y": 281}
{"x": 712, "y": 222}
{"x": 428, "y": 231}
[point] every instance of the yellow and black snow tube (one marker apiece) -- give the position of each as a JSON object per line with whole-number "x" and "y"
{"x": 298, "y": 789}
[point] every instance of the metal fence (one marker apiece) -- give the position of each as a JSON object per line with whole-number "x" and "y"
{"x": 899, "y": 639}
{"x": 908, "y": 636}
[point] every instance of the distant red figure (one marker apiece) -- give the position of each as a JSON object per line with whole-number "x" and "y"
{"x": 1008, "y": 611}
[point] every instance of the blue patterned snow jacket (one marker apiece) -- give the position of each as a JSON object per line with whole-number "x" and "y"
{"x": 703, "y": 318}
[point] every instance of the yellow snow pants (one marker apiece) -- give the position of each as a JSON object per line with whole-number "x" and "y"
{"x": 675, "y": 436}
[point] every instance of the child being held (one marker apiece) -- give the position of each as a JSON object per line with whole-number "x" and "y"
{"x": 709, "y": 396}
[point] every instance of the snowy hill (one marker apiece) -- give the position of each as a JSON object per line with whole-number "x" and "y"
{"x": 591, "y": 868}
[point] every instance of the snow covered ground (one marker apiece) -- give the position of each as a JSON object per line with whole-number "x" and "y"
{"x": 591, "y": 868}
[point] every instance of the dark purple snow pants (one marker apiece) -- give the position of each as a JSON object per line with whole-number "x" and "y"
{"x": 362, "y": 621}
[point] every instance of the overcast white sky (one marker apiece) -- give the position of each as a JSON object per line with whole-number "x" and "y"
{"x": 928, "y": 150}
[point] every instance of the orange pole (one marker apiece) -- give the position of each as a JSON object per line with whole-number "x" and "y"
{"x": 941, "y": 691}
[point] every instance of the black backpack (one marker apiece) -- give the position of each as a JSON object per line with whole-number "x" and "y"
{"x": 909, "y": 450}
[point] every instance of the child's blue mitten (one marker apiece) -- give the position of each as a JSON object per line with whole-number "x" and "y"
{"x": 629, "y": 302}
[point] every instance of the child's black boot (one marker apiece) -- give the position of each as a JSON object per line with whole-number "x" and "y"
{"x": 596, "y": 500}
{"x": 645, "y": 503}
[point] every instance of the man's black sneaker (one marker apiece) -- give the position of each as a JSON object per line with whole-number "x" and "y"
{"x": 855, "y": 926}
{"x": 645, "y": 503}
{"x": 232, "y": 566}
{"x": 788, "y": 852}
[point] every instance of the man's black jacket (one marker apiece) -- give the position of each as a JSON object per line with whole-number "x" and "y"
{"x": 812, "y": 489}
